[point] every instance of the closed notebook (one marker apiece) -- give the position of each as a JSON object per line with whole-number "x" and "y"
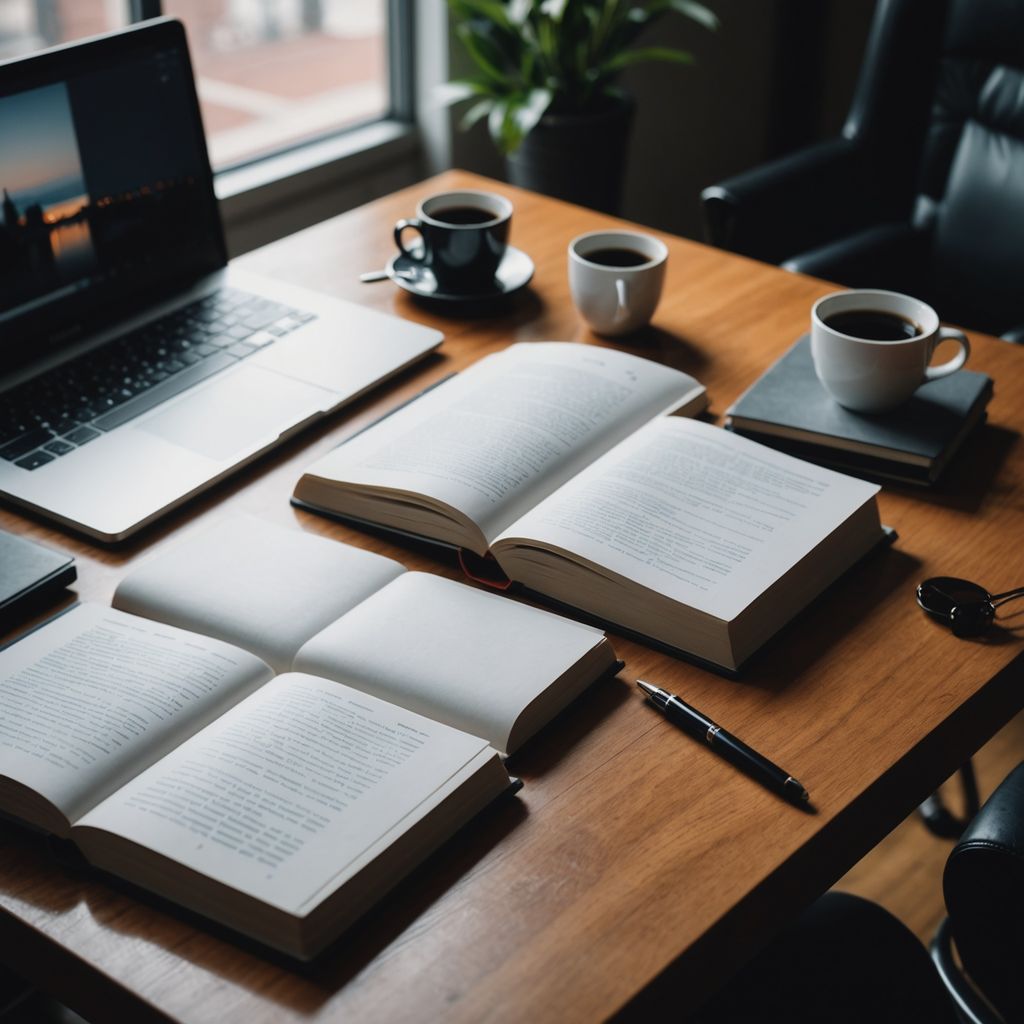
{"x": 30, "y": 575}
{"x": 788, "y": 408}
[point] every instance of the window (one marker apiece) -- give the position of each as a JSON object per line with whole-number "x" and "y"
{"x": 27, "y": 25}
{"x": 270, "y": 73}
{"x": 307, "y": 104}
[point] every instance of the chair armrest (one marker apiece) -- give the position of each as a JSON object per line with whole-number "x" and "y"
{"x": 970, "y": 1004}
{"x": 801, "y": 201}
{"x": 888, "y": 256}
{"x": 983, "y": 884}
{"x": 997, "y": 831}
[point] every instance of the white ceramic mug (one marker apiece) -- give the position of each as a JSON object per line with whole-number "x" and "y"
{"x": 616, "y": 297}
{"x": 872, "y": 375}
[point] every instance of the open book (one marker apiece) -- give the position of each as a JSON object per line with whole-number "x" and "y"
{"x": 280, "y": 805}
{"x": 560, "y": 461}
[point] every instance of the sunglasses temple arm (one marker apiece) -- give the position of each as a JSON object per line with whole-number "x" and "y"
{"x": 1008, "y": 595}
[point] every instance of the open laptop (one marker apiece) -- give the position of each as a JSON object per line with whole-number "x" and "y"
{"x": 136, "y": 366}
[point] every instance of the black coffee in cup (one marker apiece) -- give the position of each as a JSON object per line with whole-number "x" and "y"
{"x": 617, "y": 257}
{"x": 463, "y": 215}
{"x": 873, "y": 325}
{"x": 464, "y": 238}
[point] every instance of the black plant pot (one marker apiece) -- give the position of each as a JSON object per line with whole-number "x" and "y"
{"x": 578, "y": 157}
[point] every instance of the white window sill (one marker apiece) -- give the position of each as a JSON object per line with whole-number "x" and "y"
{"x": 283, "y": 193}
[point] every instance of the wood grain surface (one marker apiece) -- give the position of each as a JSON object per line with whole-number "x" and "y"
{"x": 635, "y": 866}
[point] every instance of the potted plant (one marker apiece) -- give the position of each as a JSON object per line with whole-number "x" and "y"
{"x": 546, "y": 79}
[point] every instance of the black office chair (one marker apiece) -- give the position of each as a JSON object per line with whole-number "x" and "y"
{"x": 983, "y": 885}
{"x": 845, "y": 960}
{"x": 924, "y": 191}
{"x": 848, "y": 960}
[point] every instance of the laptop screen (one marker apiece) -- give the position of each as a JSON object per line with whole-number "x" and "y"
{"x": 106, "y": 196}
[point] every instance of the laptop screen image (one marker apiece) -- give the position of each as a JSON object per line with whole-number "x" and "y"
{"x": 105, "y": 187}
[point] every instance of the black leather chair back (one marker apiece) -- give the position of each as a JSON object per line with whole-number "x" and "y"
{"x": 984, "y": 889}
{"x": 924, "y": 190}
{"x": 972, "y": 168}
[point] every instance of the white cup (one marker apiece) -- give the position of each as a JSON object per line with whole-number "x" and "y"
{"x": 616, "y": 297}
{"x": 872, "y": 375}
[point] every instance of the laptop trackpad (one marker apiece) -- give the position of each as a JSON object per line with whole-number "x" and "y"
{"x": 244, "y": 411}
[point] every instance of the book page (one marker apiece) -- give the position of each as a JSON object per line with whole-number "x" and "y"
{"x": 96, "y": 696}
{"x": 463, "y": 656}
{"x": 693, "y": 512}
{"x": 264, "y": 587}
{"x": 281, "y": 798}
{"x": 494, "y": 440}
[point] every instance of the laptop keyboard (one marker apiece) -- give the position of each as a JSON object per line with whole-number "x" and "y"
{"x": 75, "y": 403}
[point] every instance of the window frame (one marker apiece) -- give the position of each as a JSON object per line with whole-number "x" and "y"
{"x": 269, "y": 196}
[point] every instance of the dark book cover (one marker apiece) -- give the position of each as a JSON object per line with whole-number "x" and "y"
{"x": 789, "y": 403}
{"x": 30, "y": 576}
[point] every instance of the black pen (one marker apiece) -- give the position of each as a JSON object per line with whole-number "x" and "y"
{"x": 699, "y": 726}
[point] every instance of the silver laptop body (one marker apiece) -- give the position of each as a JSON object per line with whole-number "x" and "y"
{"x": 136, "y": 367}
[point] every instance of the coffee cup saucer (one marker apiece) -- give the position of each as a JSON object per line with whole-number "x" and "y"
{"x": 514, "y": 272}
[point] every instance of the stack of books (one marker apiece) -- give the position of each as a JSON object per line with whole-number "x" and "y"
{"x": 787, "y": 408}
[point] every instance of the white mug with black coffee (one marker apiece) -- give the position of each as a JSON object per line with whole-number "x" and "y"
{"x": 615, "y": 278}
{"x": 872, "y": 349}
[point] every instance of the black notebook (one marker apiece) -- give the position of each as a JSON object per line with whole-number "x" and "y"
{"x": 789, "y": 409}
{"x": 30, "y": 576}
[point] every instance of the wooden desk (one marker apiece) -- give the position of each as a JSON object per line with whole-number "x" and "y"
{"x": 631, "y": 848}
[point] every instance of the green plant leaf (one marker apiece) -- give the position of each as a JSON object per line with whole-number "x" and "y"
{"x": 591, "y": 16}
{"x": 554, "y": 9}
{"x": 696, "y": 12}
{"x": 528, "y": 112}
{"x": 476, "y": 112}
{"x": 528, "y": 68}
{"x": 494, "y": 122}
{"x": 547, "y": 41}
{"x": 619, "y": 33}
{"x": 625, "y": 32}
{"x": 650, "y": 53}
{"x": 534, "y": 56}
{"x": 519, "y": 11}
{"x": 482, "y": 54}
{"x": 503, "y": 45}
{"x": 582, "y": 59}
{"x": 604, "y": 23}
{"x": 502, "y": 126}
{"x": 490, "y": 10}
{"x": 457, "y": 90}
{"x": 688, "y": 8}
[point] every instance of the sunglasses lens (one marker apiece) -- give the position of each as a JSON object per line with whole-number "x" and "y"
{"x": 939, "y": 595}
{"x": 972, "y": 619}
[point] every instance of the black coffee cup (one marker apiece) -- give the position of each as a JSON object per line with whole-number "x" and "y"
{"x": 465, "y": 235}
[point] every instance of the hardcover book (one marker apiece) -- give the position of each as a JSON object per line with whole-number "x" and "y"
{"x": 578, "y": 469}
{"x": 789, "y": 409}
{"x": 30, "y": 575}
{"x": 272, "y": 728}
